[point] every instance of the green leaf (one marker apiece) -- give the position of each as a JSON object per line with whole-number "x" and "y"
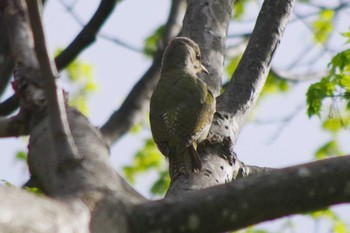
{"x": 341, "y": 62}
{"x": 326, "y": 213}
{"x": 239, "y": 8}
{"x": 79, "y": 102}
{"x": 328, "y": 149}
{"x": 151, "y": 42}
{"x": 347, "y": 35}
{"x": 336, "y": 121}
{"x": 136, "y": 128}
{"x": 232, "y": 65}
{"x": 274, "y": 84}
{"x": 340, "y": 227}
{"x": 162, "y": 184}
{"x": 146, "y": 159}
{"x": 323, "y": 26}
{"x": 316, "y": 93}
{"x": 80, "y": 76}
{"x": 253, "y": 230}
{"x": 34, "y": 190}
{"x": 8, "y": 184}
{"x": 21, "y": 155}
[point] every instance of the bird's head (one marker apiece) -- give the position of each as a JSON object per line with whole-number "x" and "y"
{"x": 183, "y": 53}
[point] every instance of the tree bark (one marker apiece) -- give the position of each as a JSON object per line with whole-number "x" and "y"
{"x": 87, "y": 195}
{"x": 250, "y": 200}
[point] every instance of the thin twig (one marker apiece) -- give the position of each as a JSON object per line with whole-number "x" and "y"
{"x": 88, "y": 35}
{"x": 107, "y": 37}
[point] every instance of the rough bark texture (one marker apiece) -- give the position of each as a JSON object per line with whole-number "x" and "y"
{"x": 209, "y": 32}
{"x": 245, "y": 201}
{"x": 25, "y": 212}
{"x": 249, "y": 78}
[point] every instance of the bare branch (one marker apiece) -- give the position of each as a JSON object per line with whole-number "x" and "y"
{"x": 243, "y": 203}
{"x": 110, "y": 38}
{"x": 18, "y": 206}
{"x": 64, "y": 143}
{"x": 9, "y": 106}
{"x": 250, "y": 75}
{"x": 88, "y": 35}
{"x": 14, "y": 126}
{"x": 135, "y": 105}
{"x": 250, "y": 170}
{"x": 6, "y": 60}
{"x": 284, "y": 74}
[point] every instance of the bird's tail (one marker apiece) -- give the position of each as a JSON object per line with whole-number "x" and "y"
{"x": 185, "y": 162}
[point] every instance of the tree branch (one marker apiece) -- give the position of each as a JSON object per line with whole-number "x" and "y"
{"x": 88, "y": 35}
{"x": 64, "y": 143}
{"x": 6, "y": 60}
{"x": 9, "y": 105}
{"x": 18, "y": 206}
{"x": 133, "y": 108}
{"x": 209, "y": 32}
{"x": 14, "y": 126}
{"x": 243, "y": 202}
{"x": 247, "y": 81}
{"x": 110, "y": 38}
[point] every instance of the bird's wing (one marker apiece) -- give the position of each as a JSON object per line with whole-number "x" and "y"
{"x": 186, "y": 109}
{"x": 197, "y": 112}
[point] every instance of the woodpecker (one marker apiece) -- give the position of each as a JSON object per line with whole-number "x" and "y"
{"x": 182, "y": 107}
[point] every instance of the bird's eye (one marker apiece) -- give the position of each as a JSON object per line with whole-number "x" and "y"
{"x": 198, "y": 56}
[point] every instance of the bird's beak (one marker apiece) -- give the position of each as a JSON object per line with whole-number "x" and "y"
{"x": 204, "y": 69}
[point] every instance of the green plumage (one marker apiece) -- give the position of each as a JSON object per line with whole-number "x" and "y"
{"x": 181, "y": 108}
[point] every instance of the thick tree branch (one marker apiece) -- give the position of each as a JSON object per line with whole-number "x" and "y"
{"x": 243, "y": 202}
{"x": 247, "y": 81}
{"x": 133, "y": 108}
{"x": 18, "y": 208}
{"x": 64, "y": 143}
{"x": 209, "y": 31}
{"x": 6, "y": 60}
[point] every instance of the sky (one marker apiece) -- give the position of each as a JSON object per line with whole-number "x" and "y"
{"x": 117, "y": 69}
